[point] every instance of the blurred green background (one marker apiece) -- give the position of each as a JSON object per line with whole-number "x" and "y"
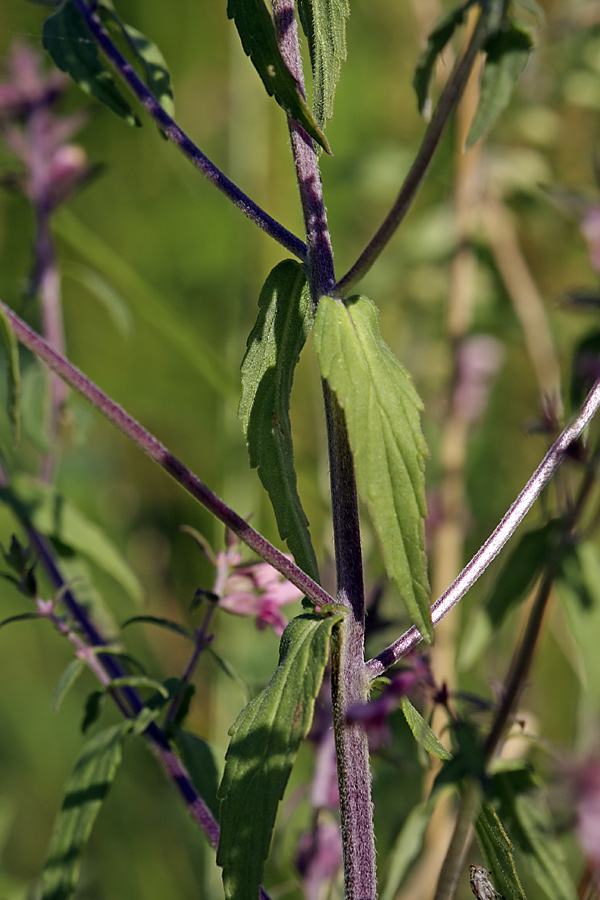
{"x": 186, "y": 269}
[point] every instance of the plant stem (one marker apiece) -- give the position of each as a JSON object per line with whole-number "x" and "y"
{"x": 499, "y": 537}
{"x": 166, "y": 460}
{"x": 184, "y": 143}
{"x": 446, "y": 104}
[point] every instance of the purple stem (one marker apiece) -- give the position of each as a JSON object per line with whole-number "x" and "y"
{"x": 184, "y": 143}
{"x": 166, "y": 460}
{"x": 499, "y": 537}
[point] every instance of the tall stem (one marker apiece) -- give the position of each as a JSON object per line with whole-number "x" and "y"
{"x": 349, "y": 682}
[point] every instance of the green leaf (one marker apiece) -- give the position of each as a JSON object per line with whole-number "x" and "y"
{"x": 20, "y": 617}
{"x": 407, "y": 848}
{"x": 66, "y": 682}
{"x": 230, "y": 672}
{"x": 578, "y": 587}
{"x": 264, "y": 742}
{"x": 284, "y": 321}
{"x": 92, "y": 709}
{"x": 324, "y": 24}
{"x": 497, "y": 851}
{"x": 13, "y": 376}
{"x": 507, "y": 54}
{"x": 382, "y": 410}
{"x": 584, "y": 367}
{"x": 259, "y": 40}
{"x": 52, "y": 515}
{"x": 86, "y": 790}
{"x": 513, "y": 585}
{"x": 439, "y": 37}
{"x": 522, "y": 807}
{"x": 162, "y": 623}
{"x": 422, "y": 732}
{"x": 198, "y": 758}
{"x": 112, "y": 301}
{"x": 155, "y": 72}
{"x": 72, "y": 48}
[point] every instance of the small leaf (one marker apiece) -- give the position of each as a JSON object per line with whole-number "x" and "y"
{"x": 72, "y": 48}
{"x": 507, "y": 54}
{"x": 66, "y": 682}
{"x": 86, "y": 790}
{"x": 54, "y": 516}
{"x": 264, "y": 742}
{"x": 92, "y": 709}
{"x": 20, "y": 617}
{"x": 407, "y": 847}
{"x": 422, "y": 732}
{"x": 199, "y": 760}
{"x": 162, "y": 623}
{"x": 231, "y": 673}
{"x": 284, "y": 321}
{"x": 324, "y": 24}
{"x": 439, "y": 37}
{"x": 497, "y": 851}
{"x": 257, "y": 33}
{"x": 382, "y": 410}
{"x": 521, "y": 804}
{"x": 13, "y": 376}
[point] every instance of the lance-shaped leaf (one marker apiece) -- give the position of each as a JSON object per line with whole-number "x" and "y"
{"x": 507, "y": 53}
{"x": 85, "y": 792}
{"x": 498, "y": 851}
{"x": 264, "y": 742}
{"x": 439, "y": 37}
{"x": 382, "y": 410}
{"x": 422, "y": 731}
{"x": 73, "y": 50}
{"x": 13, "y": 376}
{"x": 324, "y": 24}
{"x": 259, "y": 40}
{"x": 284, "y": 321}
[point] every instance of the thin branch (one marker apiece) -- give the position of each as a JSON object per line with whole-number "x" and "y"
{"x": 166, "y": 460}
{"x": 499, "y": 537}
{"x": 184, "y": 143}
{"x": 445, "y": 106}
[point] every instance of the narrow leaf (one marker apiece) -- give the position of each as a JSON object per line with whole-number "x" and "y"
{"x": 85, "y": 792}
{"x": 20, "y": 617}
{"x": 436, "y": 42}
{"x": 382, "y": 410}
{"x": 72, "y": 48}
{"x": 54, "y": 516}
{"x": 162, "y": 623}
{"x": 66, "y": 682}
{"x": 274, "y": 345}
{"x": 324, "y": 24}
{"x": 498, "y": 850}
{"x": 198, "y": 758}
{"x": 507, "y": 54}
{"x": 422, "y": 732}
{"x": 264, "y": 743}
{"x": 407, "y": 848}
{"x": 578, "y": 586}
{"x": 259, "y": 40}
{"x": 13, "y": 376}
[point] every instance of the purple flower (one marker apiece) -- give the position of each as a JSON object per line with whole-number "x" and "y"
{"x": 259, "y": 591}
{"x": 319, "y": 857}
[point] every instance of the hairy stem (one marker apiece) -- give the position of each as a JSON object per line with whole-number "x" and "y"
{"x": 499, "y": 537}
{"x": 183, "y": 142}
{"x": 166, "y": 460}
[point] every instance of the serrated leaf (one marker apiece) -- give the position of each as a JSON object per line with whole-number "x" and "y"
{"x": 264, "y": 742}
{"x": 284, "y": 321}
{"x": 167, "y": 624}
{"x": 523, "y": 809}
{"x": 507, "y": 54}
{"x": 13, "y": 376}
{"x": 155, "y": 72}
{"x": 198, "y": 758}
{"x": 66, "y": 682}
{"x": 382, "y": 410}
{"x": 497, "y": 851}
{"x": 437, "y": 40}
{"x": 324, "y": 24}
{"x": 259, "y": 40}
{"x": 85, "y": 792}
{"x": 68, "y": 41}
{"x": 407, "y": 848}
{"x": 512, "y": 586}
{"x": 422, "y": 732}
{"x": 54, "y": 516}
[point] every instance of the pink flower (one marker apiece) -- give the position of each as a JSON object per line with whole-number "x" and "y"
{"x": 259, "y": 591}
{"x": 585, "y": 780}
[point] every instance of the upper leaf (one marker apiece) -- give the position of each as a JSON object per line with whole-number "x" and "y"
{"x": 283, "y": 323}
{"x": 436, "y": 42}
{"x": 382, "y": 412}
{"x": 507, "y": 53}
{"x": 72, "y": 48}
{"x": 324, "y": 24}
{"x": 85, "y": 792}
{"x": 264, "y": 741}
{"x": 259, "y": 40}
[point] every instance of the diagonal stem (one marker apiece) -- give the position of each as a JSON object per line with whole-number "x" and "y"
{"x": 183, "y": 142}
